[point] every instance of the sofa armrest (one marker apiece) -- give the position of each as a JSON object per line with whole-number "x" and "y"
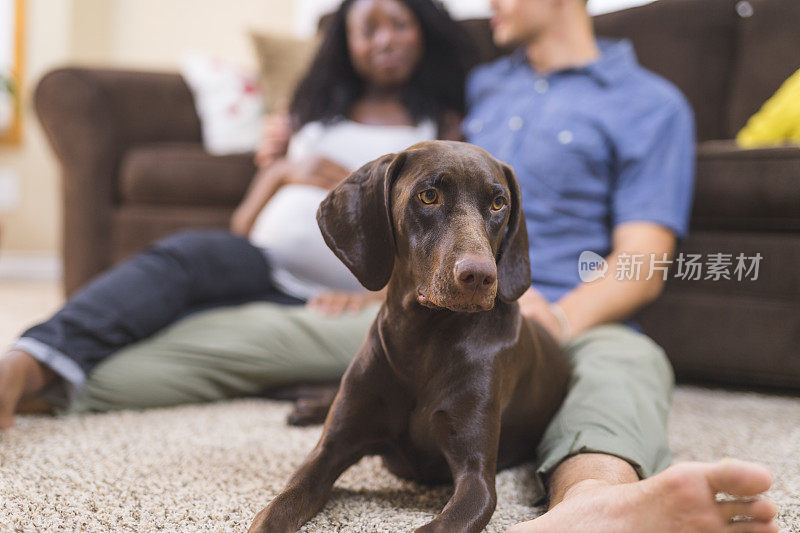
{"x": 747, "y": 190}
{"x": 91, "y": 117}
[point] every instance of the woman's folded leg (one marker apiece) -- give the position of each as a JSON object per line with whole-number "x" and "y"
{"x": 227, "y": 353}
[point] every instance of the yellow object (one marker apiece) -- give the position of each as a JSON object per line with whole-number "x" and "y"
{"x": 778, "y": 120}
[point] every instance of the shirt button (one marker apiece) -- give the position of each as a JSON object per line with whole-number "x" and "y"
{"x": 744, "y": 9}
{"x": 475, "y": 126}
{"x": 515, "y": 123}
{"x": 565, "y": 136}
{"x": 541, "y": 86}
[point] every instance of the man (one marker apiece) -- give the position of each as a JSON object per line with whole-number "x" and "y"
{"x": 603, "y": 151}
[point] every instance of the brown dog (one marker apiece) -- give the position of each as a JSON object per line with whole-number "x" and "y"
{"x": 452, "y": 383}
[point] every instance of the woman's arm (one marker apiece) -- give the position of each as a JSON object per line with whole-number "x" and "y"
{"x": 317, "y": 171}
{"x": 268, "y": 179}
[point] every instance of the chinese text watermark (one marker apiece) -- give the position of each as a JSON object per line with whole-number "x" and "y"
{"x": 634, "y": 267}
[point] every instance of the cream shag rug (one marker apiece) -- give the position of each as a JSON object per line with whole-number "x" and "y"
{"x": 211, "y": 467}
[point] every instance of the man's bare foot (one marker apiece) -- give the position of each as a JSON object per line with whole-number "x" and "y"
{"x": 680, "y": 499}
{"x": 20, "y": 375}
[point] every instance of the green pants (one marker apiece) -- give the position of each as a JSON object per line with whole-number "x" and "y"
{"x": 617, "y": 404}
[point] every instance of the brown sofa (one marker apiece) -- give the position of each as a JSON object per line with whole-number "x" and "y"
{"x": 134, "y": 170}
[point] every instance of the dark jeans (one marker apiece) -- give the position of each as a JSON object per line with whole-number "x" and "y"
{"x": 179, "y": 275}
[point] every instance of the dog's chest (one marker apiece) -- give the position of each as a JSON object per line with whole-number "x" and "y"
{"x": 414, "y": 453}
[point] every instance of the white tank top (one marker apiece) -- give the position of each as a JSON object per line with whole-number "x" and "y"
{"x": 286, "y": 229}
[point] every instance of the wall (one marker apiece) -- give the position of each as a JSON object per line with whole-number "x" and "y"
{"x": 306, "y": 12}
{"x": 144, "y": 34}
{"x": 156, "y": 33}
{"x": 32, "y": 226}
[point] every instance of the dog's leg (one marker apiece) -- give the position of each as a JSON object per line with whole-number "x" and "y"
{"x": 353, "y": 428}
{"x": 471, "y": 453}
{"x": 309, "y": 488}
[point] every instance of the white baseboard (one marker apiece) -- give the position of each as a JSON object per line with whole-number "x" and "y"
{"x": 29, "y": 265}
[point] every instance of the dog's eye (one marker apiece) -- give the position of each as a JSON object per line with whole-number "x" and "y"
{"x": 499, "y": 203}
{"x": 429, "y": 196}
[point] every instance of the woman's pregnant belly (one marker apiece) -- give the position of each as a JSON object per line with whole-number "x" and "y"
{"x": 301, "y": 261}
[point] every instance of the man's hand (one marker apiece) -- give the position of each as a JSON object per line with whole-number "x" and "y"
{"x": 275, "y": 135}
{"x": 534, "y": 306}
{"x": 335, "y": 303}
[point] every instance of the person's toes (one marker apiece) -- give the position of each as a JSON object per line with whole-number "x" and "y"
{"x": 740, "y": 478}
{"x": 752, "y": 527}
{"x": 759, "y": 510}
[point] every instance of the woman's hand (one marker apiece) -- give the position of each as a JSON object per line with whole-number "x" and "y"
{"x": 335, "y": 303}
{"x": 318, "y": 171}
{"x": 275, "y": 135}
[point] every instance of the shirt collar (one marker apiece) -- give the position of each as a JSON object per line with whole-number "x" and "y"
{"x": 617, "y": 59}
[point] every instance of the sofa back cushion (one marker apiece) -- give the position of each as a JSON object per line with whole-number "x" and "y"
{"x": 689, "y": 42}
{"x": 768, "y": 44}
{"x": 282, "y": 63}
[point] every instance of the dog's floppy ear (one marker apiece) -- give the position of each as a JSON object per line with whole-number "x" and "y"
{"x": 513, "y": 263}
{"x": 356, "y": 223}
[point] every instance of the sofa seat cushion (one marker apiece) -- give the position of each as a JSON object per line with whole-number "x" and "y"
{"x": 183, "y": 174}
{"x": 727, "y": 339}
{"x": 750, "y": 190}
{"x": 747, "y": 264}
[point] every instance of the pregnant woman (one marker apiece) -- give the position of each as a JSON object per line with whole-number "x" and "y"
{"x": 388, "y": 74}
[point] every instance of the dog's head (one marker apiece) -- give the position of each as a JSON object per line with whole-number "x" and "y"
{"x": 446, "y": 215}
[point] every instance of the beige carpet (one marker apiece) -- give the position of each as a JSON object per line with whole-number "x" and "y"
{"x": 211, "y": 467}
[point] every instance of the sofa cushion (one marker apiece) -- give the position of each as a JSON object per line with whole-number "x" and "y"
{"x": 768, "y": 52}
{"x": 775, "y": 278}
{"x": 750, "y": 190}
{"x": 282, "y": 61}
{"x": 183, "y": 174}
{"x": 778, "y": 120}
{"x": 688, "y": 42}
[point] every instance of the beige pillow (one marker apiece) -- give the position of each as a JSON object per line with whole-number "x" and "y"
{"x": 282, "y": 62}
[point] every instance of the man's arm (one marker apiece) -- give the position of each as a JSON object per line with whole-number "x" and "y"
{"x": 609, "y": 299}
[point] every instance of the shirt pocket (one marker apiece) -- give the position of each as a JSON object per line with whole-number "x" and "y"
{"x": 570, "y": 158}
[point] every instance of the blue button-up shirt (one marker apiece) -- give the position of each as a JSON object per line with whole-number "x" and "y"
{"x": 592, "y": 147}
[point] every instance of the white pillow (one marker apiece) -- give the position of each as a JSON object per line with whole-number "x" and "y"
{"x": 228, "y": 101}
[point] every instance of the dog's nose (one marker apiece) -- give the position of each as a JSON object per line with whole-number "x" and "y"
{"x": 473, "y": 273}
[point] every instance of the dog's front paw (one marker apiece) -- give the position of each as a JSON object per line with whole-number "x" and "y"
{"x": 269, "y": 521}
{"x": 432, "y": 527}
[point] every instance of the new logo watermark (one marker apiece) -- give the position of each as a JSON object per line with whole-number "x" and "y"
{"x": 633, "y": 267}
{"x": 591, "y": 266}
